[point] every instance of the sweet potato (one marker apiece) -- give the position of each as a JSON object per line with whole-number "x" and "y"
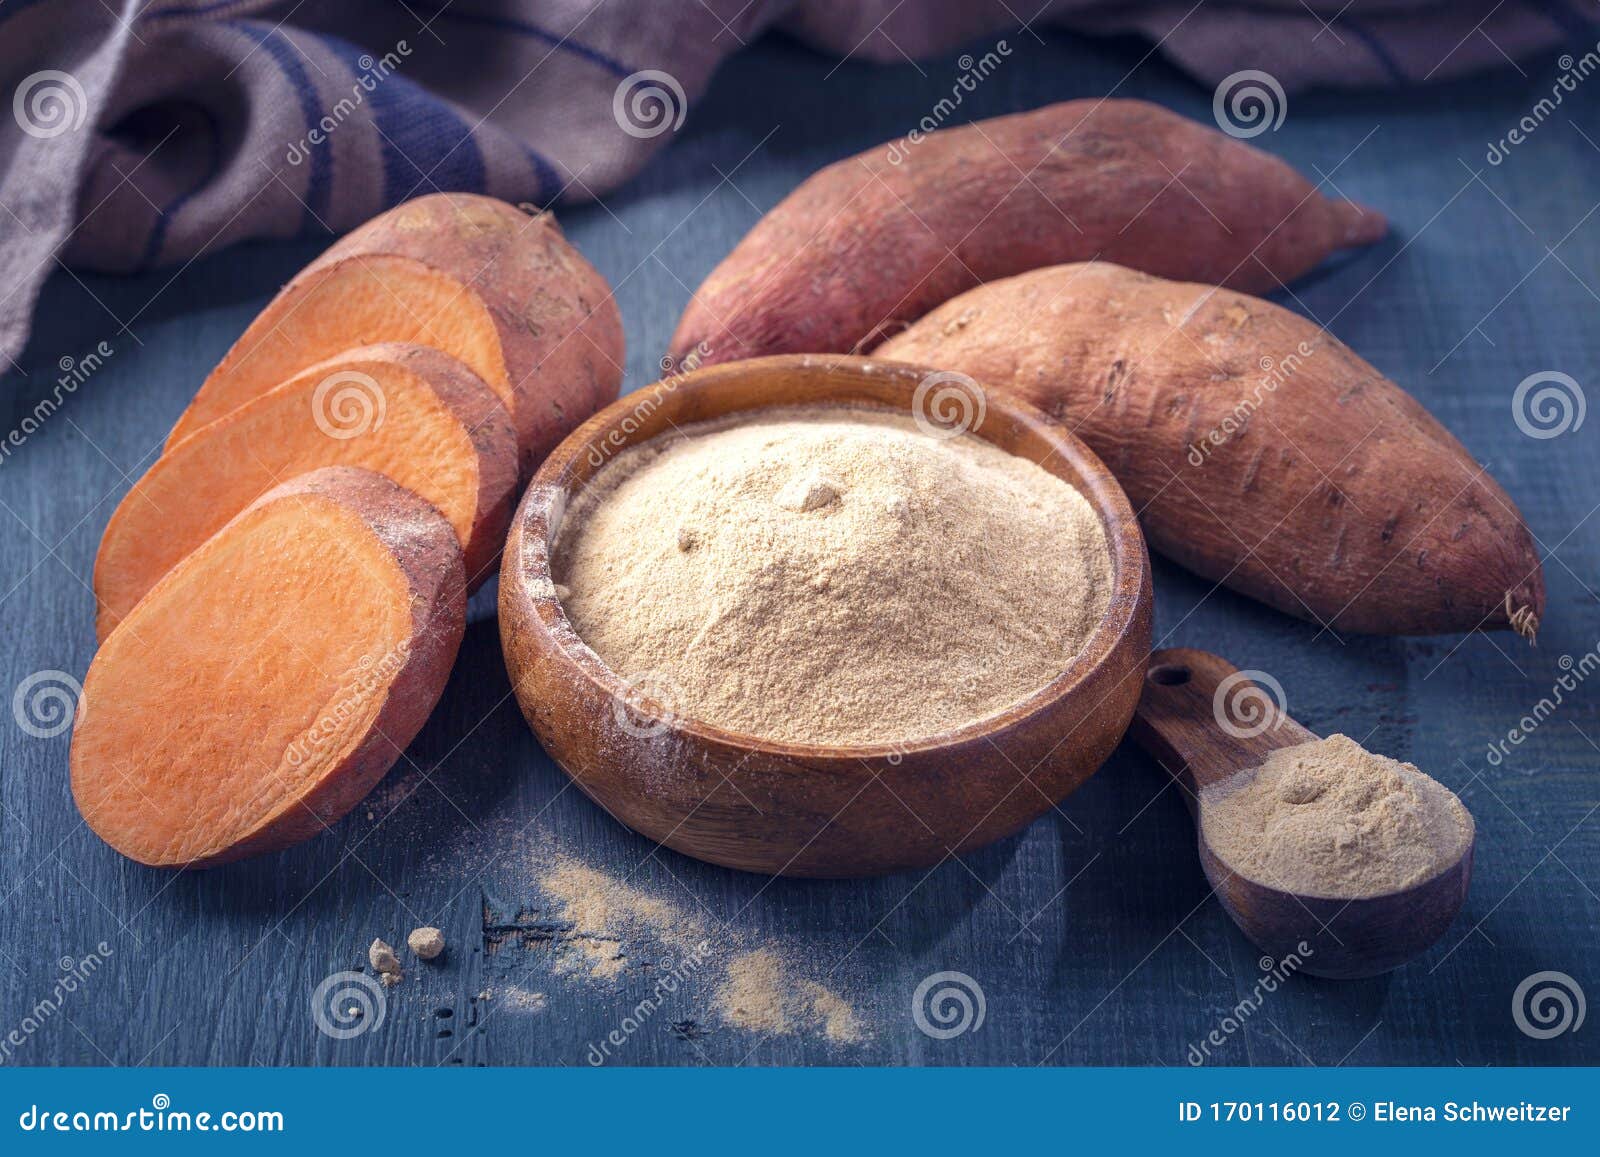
{"x": 881, "y": 238}
{"x": 472, "y": 276}
{"x": 272, "y": 677}
{"x": 410, "y": 412}
{"x": 1260, "y": 451}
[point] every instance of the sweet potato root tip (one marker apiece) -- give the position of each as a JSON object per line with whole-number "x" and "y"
{"x": 409, "y": 412}
{"x": 1362, "y": 226}
{"x": 265, "y": 684}
{"x": 471, "y": 276}
{"x": 881, "y": 238}
{"x": 1261, "y": 452}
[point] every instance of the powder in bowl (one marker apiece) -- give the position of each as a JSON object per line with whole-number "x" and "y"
{"x": 832, "y": 575}
{"x": 1331, "y": 819}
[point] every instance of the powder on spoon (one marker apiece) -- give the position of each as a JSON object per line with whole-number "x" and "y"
{"x": 1331, "y": 819}
{"x": 831, "y": 575}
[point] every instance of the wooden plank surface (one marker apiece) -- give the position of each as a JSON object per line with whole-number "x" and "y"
{"x": 1092, "y": 935}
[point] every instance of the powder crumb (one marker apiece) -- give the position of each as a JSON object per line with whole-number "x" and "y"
{"x": 832, "y": 575}
{"x": 521, "y": 998}
{"x": 807, "y": 492}
{"x": 761, "y": 994}
{"x": 385, "y": 962}
{"x": 1331, "y": 819}
{"x": 427, "y": 943}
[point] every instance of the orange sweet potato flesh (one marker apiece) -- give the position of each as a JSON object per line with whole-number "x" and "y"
{"x": 1260, "y": 451}
{"x": 412, "y": 413}
{"x": 872, "y": 242}
{"x": 472, "y": 276}
{"x": 268, "y": 681}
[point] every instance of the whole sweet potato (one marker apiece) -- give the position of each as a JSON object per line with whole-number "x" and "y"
{"x": 879, "y": 239}
{"x": 1260, "y": 451}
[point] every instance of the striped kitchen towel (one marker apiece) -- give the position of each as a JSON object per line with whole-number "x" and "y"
{"x": 147, "y": 132}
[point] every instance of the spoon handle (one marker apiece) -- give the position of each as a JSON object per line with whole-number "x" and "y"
{"x": 1203, "y": 720}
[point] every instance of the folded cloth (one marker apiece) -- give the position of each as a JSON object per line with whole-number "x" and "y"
{"x": 165, "y": 129}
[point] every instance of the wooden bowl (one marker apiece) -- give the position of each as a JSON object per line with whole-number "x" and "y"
{"x": 796, "y": 809}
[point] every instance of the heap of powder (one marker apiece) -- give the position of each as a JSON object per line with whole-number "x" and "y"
{"x": 1331, "y": 819}
{"x": 831, "y": 575}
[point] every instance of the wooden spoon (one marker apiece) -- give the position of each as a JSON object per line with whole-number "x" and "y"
{"x": 1203, "y": 721}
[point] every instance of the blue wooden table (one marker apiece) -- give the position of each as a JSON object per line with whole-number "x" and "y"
{"x": 1092, "y": 935}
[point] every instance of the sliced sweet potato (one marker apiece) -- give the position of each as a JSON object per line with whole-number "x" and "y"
{"x": 269, "y": 680}
{"x": 1260, "y": 451}
{"x": 475, "y": 277}
{"x": 410, "y": 412}
{"x": 878, "y": 239}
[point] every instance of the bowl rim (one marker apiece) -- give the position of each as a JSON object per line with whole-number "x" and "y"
{"x": 547, "y": 498}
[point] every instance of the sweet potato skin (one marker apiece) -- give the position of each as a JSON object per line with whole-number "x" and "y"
{"x": 478, "y": 412}
{"x": 868, "y": 244}
{"x": 1260, "y": 451}
{"x": 425, "y": 547}
{"x": 559, "y": 327}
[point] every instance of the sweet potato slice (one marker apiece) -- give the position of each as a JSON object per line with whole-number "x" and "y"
{"x": 410, "y": 412}
{"x": 472, "y": 276}
{"x": 269, "y": 680}
{"x": 1260, "y": 451}
{"x": 878, "y": 239}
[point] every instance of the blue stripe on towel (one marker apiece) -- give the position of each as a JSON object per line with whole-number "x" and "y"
{"x": 423, "y": 142}
{"x": 549, "y": 179}
{"x": 319, "y": 186}
{"x": 158, "y": 232}
{"x": 1376, "y": 46}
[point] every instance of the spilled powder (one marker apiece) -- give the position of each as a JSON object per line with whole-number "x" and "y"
{"x": 756, "y": 988}
{"x": 1331, "y": 819}
{"x": 762, "y": 995}
{"x": 832, "y": 575}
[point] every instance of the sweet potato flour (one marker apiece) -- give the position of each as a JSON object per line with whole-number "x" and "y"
{"x": 830, "y": 575}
